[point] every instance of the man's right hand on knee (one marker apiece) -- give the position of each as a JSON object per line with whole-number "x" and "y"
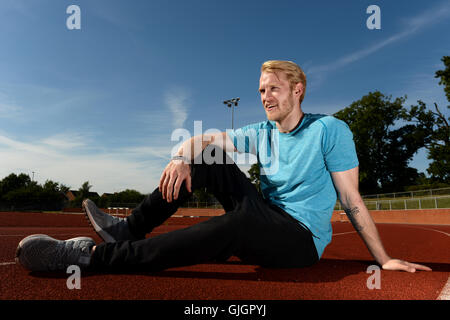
{"x": 172, "y": 177}
{"x": 179, "y": 170}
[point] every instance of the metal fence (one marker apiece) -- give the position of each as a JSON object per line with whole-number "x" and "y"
{"x": 396, "y": 203}
{"x": 195, "y": 204}
{"x": 121, "y": 209}
{"x": 411, "y": 194}
{"x": 438, "y": 202}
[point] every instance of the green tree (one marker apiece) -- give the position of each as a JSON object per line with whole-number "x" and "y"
{"x": 52, "y": 186}
{"x": 14, "y": 182}
{"x": 83, "y": 193}
{"x": 202, "y": 195}
{"x": 51, "y": 196}
{"x": 386, "y": 136}
{"x": 63, "y": 188}
{"x": 439, "y": 147}
{"x": 18, "y": 192}
{"x": 254, "y": 173}
{"x": 444, "y": 76}
{"x": 125, "y": 197}
{"x": 84, "y": 190}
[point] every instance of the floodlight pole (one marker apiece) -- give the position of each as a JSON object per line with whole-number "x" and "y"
{"x": 231, "y": 104}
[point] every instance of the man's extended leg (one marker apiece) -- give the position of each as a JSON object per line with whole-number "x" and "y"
{"x": 214, "y": 239}
{"x": 255, "y": 232}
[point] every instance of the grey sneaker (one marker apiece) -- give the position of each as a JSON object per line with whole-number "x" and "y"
{"x": 109, "y": 228}
{"x": 40, "y": 252}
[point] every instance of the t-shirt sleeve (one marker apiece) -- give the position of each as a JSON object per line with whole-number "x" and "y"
{"x": 245, "y": 138}
{"x": 338, "y": 146}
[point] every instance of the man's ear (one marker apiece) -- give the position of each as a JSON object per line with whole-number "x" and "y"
{"x": 298, "y": 89}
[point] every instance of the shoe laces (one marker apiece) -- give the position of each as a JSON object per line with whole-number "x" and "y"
{"x": 68, "y": 253}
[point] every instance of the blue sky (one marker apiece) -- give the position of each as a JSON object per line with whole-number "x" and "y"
{"x": 102, "y": 102}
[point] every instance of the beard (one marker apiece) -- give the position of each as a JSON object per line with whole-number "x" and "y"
{"x": 282, "y": 111}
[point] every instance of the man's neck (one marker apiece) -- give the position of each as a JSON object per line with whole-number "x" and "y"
{"x": 290, "y": 125}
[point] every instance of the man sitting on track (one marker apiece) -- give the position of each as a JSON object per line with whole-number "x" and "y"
{"x": 304, "y": 160}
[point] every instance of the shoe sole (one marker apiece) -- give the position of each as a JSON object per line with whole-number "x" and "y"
{"x": 101, "y": 233}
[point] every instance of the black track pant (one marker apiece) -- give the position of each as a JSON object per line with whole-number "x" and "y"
{"x": 251, "y": 229}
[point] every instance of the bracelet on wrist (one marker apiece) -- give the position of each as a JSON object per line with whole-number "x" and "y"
{"x": 185, "y": 160}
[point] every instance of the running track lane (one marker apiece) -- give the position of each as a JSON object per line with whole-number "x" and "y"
{"x": 341, "y": 273}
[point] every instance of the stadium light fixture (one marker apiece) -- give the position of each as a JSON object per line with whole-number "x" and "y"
{"x": 231, "y": 104}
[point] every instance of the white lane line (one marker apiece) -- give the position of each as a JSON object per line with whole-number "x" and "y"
{"x": 339, "y": 234}
{"x": 7, "y": 263}
{"x": 447, "y": 234}
{"x": 445, "y": 293}
{"x": 414, "y": 227}
{"x": 51, "y": 234}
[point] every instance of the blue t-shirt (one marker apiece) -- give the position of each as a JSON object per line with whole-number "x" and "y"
{"x": 295, "y": 167}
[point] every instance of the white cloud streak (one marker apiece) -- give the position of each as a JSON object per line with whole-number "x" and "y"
{"x": 411, "y": 26}
{"x": 176, "y": 100}
{"x": 65, "y": 141}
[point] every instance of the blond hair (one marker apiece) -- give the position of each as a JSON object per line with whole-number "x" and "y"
{"x": 292, "y": 71}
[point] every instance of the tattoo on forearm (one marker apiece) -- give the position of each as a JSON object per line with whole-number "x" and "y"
{"x": 352, "y": 213}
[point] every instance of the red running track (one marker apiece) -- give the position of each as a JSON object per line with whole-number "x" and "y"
{"x": 341, "y": 273}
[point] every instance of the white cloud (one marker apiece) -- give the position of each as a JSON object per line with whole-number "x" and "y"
{"x": 160, "y": 121}
{"x": 65, "y": 141}
{"x": 411, "y": 25}
{"x": 108, "y": 171}
{"x": 176, "y": 100}
{"x": 431, "y": 16}
{"x": 74, "y": 157}
{"x": 15, "y": 145}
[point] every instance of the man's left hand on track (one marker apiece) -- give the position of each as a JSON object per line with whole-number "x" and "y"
{"x": 400, "y": 265}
